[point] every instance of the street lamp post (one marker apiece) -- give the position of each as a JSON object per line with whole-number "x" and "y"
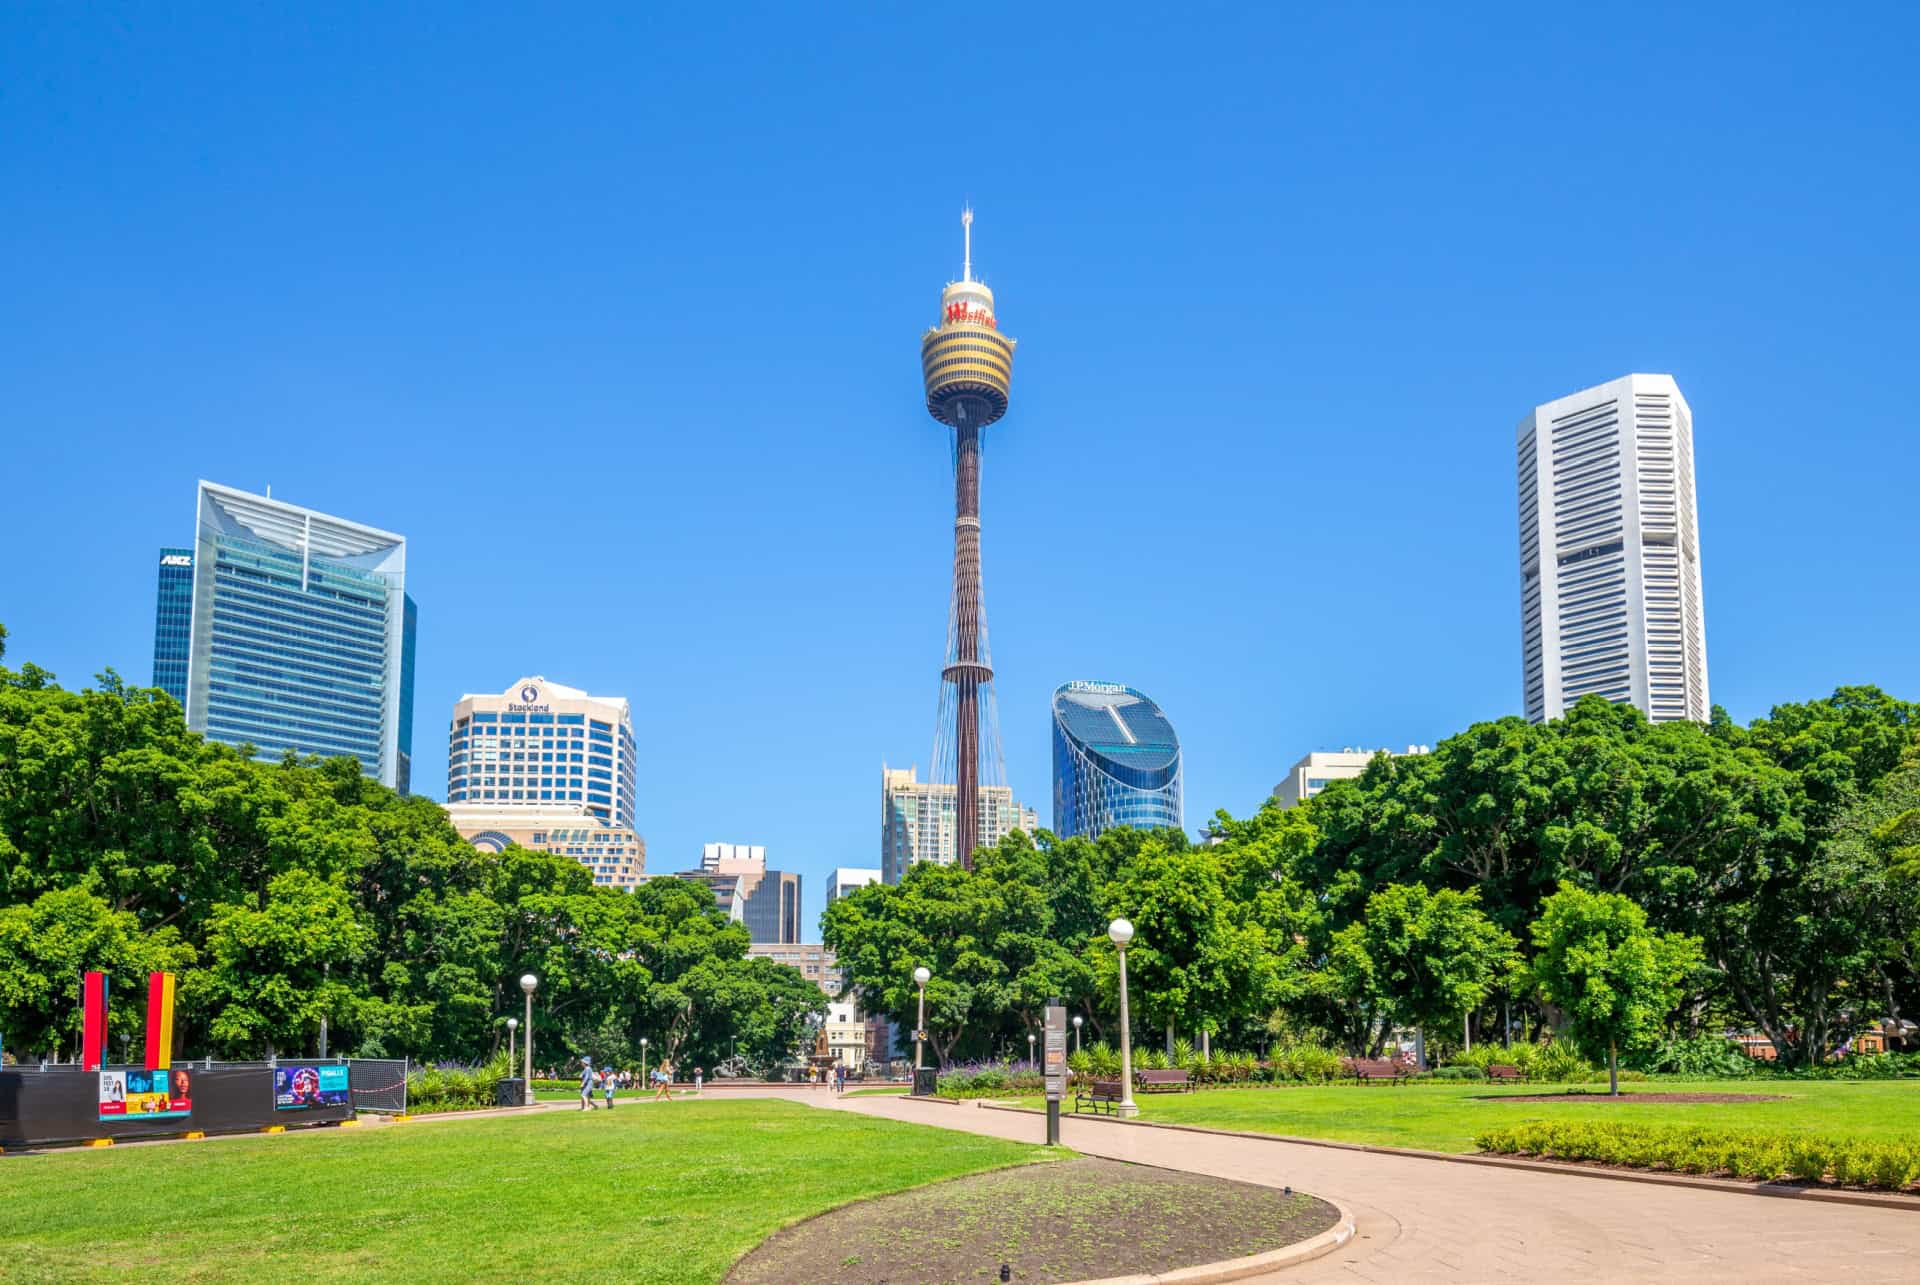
{"x": 643, "y": 1064}
{"x": 513, "y": 1024}
{"x": 1121, "y": 933}
{"x": 527, "y": 984}
{"x": 921, "y": 976}
{"x": 1077, "y": 1019}
{"x": 1029, "y": 1048}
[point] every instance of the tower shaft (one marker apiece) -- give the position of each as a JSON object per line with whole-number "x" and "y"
{"x": 969, "y": 612}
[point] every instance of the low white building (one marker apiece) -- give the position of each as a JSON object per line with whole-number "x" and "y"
{"x": 1321, "y": 768}
{"x": 845, "y": 879}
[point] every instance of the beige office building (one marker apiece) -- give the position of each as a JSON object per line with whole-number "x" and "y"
{"x": 1321, "y": 768}
{"x": 615, "y": 854}
{"x": 917, "y": 820}
{"x": 815, "y": 962}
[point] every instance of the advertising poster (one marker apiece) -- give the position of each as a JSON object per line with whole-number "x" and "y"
{"x": 145, "y": 1095}
{"x": 300, "y": 1088}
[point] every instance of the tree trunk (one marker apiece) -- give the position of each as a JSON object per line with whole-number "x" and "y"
{"x": 1613, "y": 1069}
{"x": 1169, "y": 1039}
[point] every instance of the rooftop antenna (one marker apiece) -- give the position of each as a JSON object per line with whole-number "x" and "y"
{"x": 966, "y": 230}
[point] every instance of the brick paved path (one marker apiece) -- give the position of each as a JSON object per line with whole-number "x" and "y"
{"x": 1432, "y": 1220}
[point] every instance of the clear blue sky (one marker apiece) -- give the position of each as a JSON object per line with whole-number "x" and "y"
{"x": 616, "y": 317}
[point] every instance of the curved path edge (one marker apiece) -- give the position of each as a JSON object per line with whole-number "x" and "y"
{"x": 1235, "y": 1269}
{"x": 1653, "y": 1177}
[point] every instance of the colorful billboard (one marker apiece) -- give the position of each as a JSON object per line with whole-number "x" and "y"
{"x": 299, "y": 1088}
{"x": 145, "y": 1095}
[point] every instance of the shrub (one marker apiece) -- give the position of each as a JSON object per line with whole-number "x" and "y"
{"x": 990, "y": 1080}
{"x": 1558, "y": 1063}
{"x": 1303, "y": 1064}
{"x": 1755, "y": 1155}
{"x": 1458, "y": 1072}
{"x": 1703, "y": 1057}
{"x": 451, "y": 1087}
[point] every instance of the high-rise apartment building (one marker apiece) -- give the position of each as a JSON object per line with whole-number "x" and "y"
{"x": 301, "y": 635}
{"x": 541, "y": 745}
{"x": 1610, "y": 552}
{"x": 1321, "y": 768}
{"x": 918, "y": 823}
{"x": 1116, "y": 761}
{"x": 173, "y": 623}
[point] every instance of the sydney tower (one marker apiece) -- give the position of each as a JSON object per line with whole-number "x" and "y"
{"x": 968, "y": 367}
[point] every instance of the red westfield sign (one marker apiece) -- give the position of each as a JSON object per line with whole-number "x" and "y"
{"x": 962, "y": 312}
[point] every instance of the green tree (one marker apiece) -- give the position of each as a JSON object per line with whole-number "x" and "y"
{"x": 269, "y": 980}
{"x": 1614, "y": 978}
{"x": 1200, "y": 956}
{"x": 45, "y": 947}
{"x": 1417, "y": 958}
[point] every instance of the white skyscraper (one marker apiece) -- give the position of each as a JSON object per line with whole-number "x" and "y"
{"x": 1610, "y": 552}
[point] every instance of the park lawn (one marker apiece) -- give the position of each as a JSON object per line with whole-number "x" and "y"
{"x": 666, "y": 1194}
{"x": 1446, "y": 1117}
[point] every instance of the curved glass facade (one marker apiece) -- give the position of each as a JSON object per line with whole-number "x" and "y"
{"x": 1116, "y": 760}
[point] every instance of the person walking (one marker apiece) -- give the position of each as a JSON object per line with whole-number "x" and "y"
{"x": 586, "y": 1084}
{"x": 664, "y": 1079}
{"x": 840, "y": 1077}
{"x": 609, "y": 1082}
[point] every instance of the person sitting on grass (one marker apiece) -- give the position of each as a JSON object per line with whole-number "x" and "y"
{"x": 586, "y": 1084}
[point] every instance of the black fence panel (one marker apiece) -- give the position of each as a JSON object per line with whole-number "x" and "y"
{"x": 379, "y": 1084}
{"x": 52, "y": 1106}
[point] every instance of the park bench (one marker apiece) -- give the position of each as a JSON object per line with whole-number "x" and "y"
{"x": 1163, "y": 1081}
{"x": 1097, "y": 1095}
{"x": 1365, "y": 1069}
{"x": 1497, "y": 1074}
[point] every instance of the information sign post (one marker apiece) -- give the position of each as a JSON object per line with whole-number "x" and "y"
{"x": 1054, "y": 1061}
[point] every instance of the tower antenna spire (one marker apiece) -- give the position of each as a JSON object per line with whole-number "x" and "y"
{"x": 966, "y": 232}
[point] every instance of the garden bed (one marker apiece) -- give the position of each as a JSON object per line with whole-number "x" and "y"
{"x": 1071, "y": 1220}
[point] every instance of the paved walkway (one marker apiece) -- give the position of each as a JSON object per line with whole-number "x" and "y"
{"x": 1432, "y": 1220}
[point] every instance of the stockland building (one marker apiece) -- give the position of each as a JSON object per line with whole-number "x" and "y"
{"x": 298, "y": 633}
{"x": 1116, "y": 761}
{"x": 551, "y": 768}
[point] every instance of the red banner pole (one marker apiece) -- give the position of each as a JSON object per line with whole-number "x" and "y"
{"x": 93, "y": 1035}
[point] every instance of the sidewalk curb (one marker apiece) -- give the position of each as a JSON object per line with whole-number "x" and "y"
{"x": 1234, "y": 1269}
{"x": 1649, "y": 1178}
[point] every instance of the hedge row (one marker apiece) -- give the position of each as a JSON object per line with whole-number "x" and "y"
{"x": 1755, "y": 1155}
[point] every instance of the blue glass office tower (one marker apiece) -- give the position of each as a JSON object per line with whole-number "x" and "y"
{"x": 1116, "y": 761}
{"x": 302, "y": 634}
{"x": 173, "y": 623}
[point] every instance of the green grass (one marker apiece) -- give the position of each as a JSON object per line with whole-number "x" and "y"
{"x": 667, "y": 1194}
{"x": 1445, "y": 1117}
{"x": 891, "y": 1090}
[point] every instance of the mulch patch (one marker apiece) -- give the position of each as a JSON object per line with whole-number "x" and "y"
{"x": 1636, "y": 1097}
{"x": 1062, "y": 1221}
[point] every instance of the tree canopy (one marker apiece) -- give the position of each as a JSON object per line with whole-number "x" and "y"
{"x": 296, "y": 892}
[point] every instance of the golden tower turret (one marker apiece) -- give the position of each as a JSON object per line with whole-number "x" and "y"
{"x": 966, "y": 362}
